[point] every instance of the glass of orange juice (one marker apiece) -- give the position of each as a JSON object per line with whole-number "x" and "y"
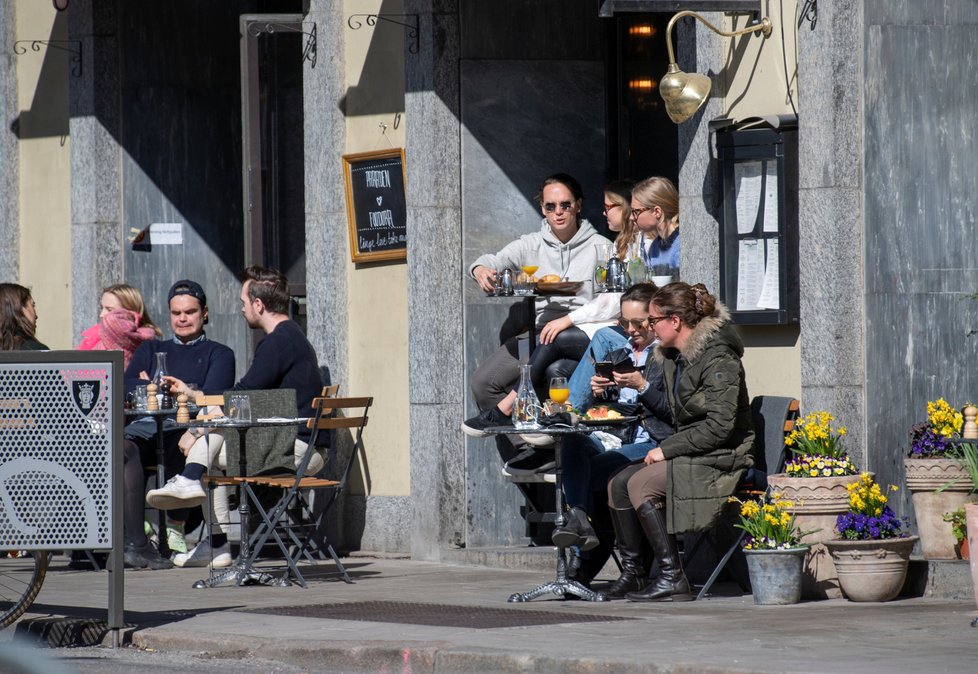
{"x": 559, "y": 391}
{"x": 530, "y": 269}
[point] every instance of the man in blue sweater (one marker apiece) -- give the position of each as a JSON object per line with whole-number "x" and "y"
{"x": 283, "y": 359}
{"x": 191, "y": 356}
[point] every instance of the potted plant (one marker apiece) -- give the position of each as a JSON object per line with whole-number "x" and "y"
{"x": 873, "y": 550}
{"x": 775, "y": 554}
{"x": 937, "y": 478}
{"x": 815, "y": 480}
{"x": 959, "y": 529}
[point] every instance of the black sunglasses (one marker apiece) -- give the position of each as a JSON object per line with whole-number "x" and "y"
{"x": 550, "y": 206}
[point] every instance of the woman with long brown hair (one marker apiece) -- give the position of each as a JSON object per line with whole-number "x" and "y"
{"x": 18, "y": 319}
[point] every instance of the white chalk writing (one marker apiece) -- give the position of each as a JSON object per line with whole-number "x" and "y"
{"x": 378, "y": 178}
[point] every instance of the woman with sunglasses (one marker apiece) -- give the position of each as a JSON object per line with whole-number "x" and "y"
{"x": 684, "y": 482}
{"x": 587, "y": 464}
{"x": 567, "y": 247}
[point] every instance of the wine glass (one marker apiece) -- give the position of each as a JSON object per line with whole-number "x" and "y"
{"x": 559, "y": 391}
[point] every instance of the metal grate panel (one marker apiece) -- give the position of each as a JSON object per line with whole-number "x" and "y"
{"x": 56, "y": 425}
{"x": 436, "y": 615}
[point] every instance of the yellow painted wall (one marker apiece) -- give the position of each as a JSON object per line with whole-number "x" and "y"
{"x": 756, "y": 84}
{"x": 378, "y": 316}
{"x": 44, "y": 163}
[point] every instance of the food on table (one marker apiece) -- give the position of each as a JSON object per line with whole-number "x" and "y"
{"x": 603, "y": 412}
{"x": 550, "y": 278}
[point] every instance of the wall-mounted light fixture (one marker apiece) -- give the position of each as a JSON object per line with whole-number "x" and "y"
{"x": 641, "y": 30}
{"x": 685, "y": 93}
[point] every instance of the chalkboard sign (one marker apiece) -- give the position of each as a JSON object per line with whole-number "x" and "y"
{"x": 375, "y": 205}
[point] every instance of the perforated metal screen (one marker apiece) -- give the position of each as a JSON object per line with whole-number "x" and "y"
{"x": 56, "y": 440}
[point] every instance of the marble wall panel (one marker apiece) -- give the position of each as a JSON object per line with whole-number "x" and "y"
{"x": 9, "y": 156}
{"x": 920, "y": 172}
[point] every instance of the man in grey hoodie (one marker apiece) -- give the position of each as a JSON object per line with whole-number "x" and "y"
{"x": 564, "y": 245}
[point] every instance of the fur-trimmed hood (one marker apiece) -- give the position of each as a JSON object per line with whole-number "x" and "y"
{"x": 712, "y": 331}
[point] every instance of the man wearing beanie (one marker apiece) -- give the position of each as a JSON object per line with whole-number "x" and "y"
{"x": 190, "y": 356}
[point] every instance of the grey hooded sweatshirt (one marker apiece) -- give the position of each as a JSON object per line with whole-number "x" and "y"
{"x": 573, "y": 261}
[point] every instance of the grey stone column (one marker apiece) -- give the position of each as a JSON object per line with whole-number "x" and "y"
{"x": 326, "y": 229}
{"x": 9, "y": 156}
{"x": 435, "y": 333}
{"x": 700, "y": 50}
{"x": 831, "y": 212}
{"x": 94, "y": 127}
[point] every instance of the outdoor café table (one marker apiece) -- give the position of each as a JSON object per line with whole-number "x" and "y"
{"x": 159, "y": 416}
{"x": 560, "y": 586}
{"x": 241, "y": 573}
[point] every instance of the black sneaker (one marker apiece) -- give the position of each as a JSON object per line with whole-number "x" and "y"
{"x": 477, "y": 425}
{"x": 530, "y": 461}
{"x": 144, "y": 557}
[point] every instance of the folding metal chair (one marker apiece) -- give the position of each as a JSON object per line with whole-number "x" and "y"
{"x": 774, "y": 418}
{"x": 290, "y": 522}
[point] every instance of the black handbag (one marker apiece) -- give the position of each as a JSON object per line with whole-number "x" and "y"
{"x": 625, "y": 432}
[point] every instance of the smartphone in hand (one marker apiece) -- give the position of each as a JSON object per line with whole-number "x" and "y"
{"x": 604, "y": 368}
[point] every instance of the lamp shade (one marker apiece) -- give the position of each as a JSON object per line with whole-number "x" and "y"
{"x": 683, "y": 93}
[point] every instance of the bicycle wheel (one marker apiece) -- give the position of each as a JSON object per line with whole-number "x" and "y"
{"x": 20, "y": 581}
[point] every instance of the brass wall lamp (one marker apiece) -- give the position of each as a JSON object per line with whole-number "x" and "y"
{"x": 685, "y": 93}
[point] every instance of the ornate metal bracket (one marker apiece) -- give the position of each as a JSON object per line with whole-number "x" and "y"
{"x": 413, "y": 32}
{"x": 35, "y": 46}
{"x": 309, "y": 51}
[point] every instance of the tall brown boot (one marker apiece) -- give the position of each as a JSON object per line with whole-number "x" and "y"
{"x": 635, "y": 554}
{"x": 671, "y": 585}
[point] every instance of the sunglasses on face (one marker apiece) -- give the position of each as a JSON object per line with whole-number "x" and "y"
{"x": 610, "y": 207}
{"x": 655, "y": 319}
{"x": 550, "y": 206}
{"x": 638, "y": 211}
{"x": 636, "y": 323}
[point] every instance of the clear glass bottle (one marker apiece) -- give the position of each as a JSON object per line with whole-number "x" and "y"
{"x": 526, "y": 409}
{"x": 160, "y": 370}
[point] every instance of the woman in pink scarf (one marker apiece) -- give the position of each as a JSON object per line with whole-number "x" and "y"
{"x": 123, "y": 323}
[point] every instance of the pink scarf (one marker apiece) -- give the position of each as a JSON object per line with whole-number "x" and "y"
{"x": 117, "y": 331}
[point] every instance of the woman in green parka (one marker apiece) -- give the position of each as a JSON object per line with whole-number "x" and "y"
{"x": 684, "y": 483}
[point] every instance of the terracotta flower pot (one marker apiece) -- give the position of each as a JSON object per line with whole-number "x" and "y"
{"x": 924, "y": 478}
{"x": 818, "y": 503}
{"x": 871, "y": 570}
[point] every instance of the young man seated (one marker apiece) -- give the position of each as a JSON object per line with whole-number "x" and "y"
{"x": 283, "y": 359}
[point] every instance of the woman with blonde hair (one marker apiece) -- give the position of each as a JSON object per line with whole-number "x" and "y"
{"x": 655, "y": 214}
{"x": 18, "y": 319}
{"x": 123, "y": 324}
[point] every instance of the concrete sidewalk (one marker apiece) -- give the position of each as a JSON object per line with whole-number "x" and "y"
{"x": 720, "y": 634}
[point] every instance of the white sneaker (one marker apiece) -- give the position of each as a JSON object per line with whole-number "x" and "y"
{"x": 178, "y": 492}
{"x": 201, "y": 556}
{"x": 538, "y": 439}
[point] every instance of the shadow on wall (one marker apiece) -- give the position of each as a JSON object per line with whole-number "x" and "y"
{"x": 47, "y": 115}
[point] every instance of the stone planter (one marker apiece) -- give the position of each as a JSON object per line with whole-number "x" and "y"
{"x": 775, "y": 575}
{"x": 924, "y": 478}
{"x": 871, "y": 570}
{"x": 818, "y": 503}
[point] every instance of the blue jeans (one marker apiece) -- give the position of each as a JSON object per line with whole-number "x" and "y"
{"x": 587, "y": 467}
{"x": 604, "y": 342}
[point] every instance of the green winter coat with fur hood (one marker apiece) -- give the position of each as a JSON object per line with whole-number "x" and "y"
{"x": 714, "y": 440}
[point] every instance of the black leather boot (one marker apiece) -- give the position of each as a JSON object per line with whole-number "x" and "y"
{"x": 635, "y": 554}
{"x": 577, "y": 531}
{"x": 671, "y": 585}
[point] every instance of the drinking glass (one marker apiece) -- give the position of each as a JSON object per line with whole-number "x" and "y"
{"x": 559, "y": 391}
{"x": 523, "y": 285}
{"x": 239, "y": 408}
{"x": 139, "y": 398}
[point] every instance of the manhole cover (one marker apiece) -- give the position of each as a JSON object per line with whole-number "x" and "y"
{"x": 438, "y": 615}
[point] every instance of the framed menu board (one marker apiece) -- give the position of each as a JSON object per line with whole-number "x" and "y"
{"x": 375, "y": 205}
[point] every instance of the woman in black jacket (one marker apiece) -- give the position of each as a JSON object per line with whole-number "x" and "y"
{"x": 586, "y": 464}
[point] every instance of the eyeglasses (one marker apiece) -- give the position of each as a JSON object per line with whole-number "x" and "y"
{"x": 636, "y": 323}
{"x": 655, "y": 319}
{"x": 610, "y": 207}
{"x": 550, "y": 206}
{"x": 638, "y": 211}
